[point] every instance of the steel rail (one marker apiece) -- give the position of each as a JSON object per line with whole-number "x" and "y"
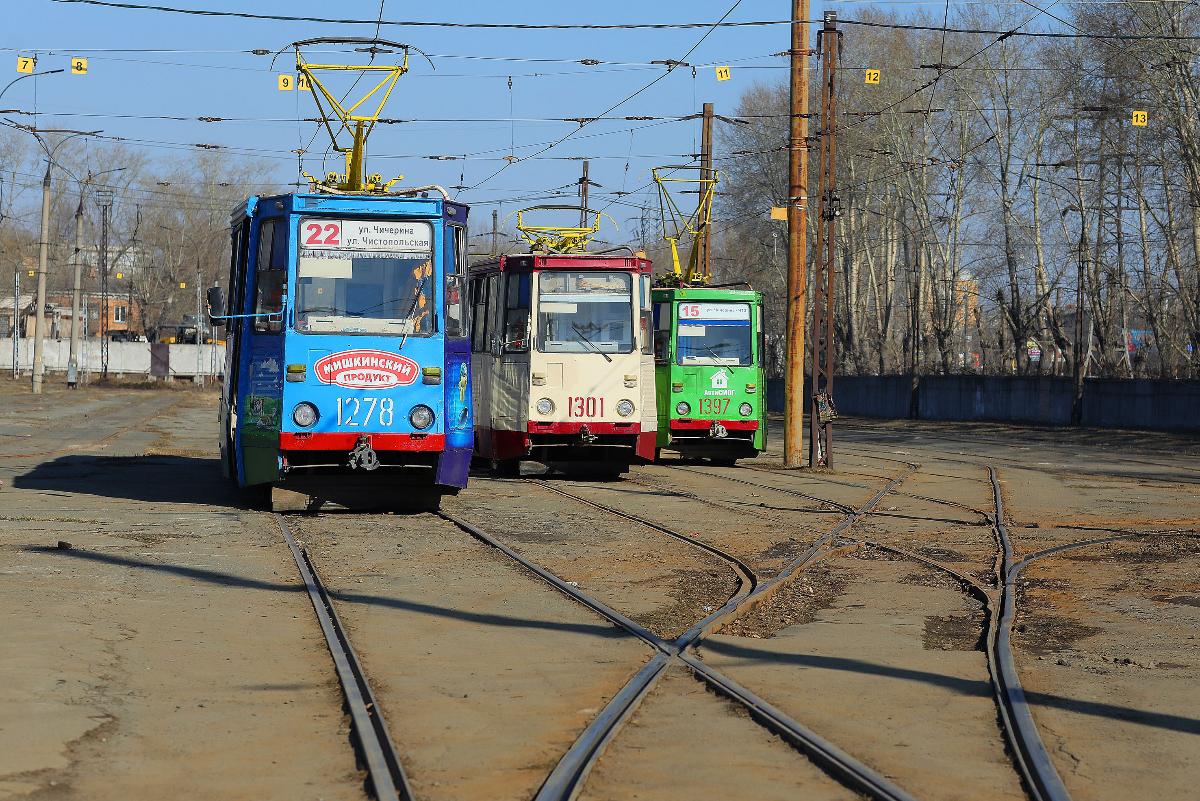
{"x": 840, "y": 507}
{"x": 746, "y": 578}
{"x": 1038, "y": 771}
{"x": 566, "y": 780}
{"x": 375, "y": 744}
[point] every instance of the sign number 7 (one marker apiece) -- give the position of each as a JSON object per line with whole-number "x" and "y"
{"x": 25, "y": 64}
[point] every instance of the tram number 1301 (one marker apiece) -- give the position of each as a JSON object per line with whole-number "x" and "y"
{"x": 358, "y": 412}
{"x": 581, "y": 406}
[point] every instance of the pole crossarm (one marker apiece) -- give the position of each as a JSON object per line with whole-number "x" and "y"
{"x": 676, "y": 223}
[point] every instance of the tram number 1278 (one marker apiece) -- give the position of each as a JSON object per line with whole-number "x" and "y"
{"x": 579, "y": 406}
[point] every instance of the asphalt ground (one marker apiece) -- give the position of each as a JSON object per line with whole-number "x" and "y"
{"x": 158, "y": 642}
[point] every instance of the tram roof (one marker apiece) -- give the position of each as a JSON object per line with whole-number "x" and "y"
{"x": 707, "y": 293}
{"x": 367, "y": 205}
{"x": 565, "y": 261}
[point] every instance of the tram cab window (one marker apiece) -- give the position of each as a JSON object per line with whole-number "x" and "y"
{"x": 585, "y": 311}
{"x": 270, "y": 277}
{"x": 384, "y": 290}
{"x": 516, "y": 312}
{"x": 714, "y": 333}
{"x": 662, "y": 332}
{"x": 456, "y": 289}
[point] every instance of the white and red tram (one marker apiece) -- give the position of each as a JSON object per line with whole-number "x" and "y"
{"x": 562, "y": 361}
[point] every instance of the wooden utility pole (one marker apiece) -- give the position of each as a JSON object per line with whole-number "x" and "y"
{"x": 822, "y": 413}
{"x": 793, "y": 409}
{"x": 706, "y": 187}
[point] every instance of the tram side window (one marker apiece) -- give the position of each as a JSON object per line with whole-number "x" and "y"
{"x": 479, "y": 315}
{"x": 662, "y": 332}
{"x": 646, "y": 321}
{"x": 516, "y": 312}
{"x": 455, "y": 265}
{"x": 270, "y": 278}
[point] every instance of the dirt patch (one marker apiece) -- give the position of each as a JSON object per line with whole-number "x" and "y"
{"x": 1047, "y": 634}
{"x": 1181, "y": 600}
{"x": 1156, "y": 550}
{"x": 943, "y": 554}
{"x": 695, "y": 593}
{"x": 954, "y": 632}
{"x": 795, "y": 603}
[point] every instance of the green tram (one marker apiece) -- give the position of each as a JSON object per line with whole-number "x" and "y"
{"x": 710, "y": 389}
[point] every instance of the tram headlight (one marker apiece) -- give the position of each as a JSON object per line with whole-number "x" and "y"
{"x": 545, "y": 406}
{"x": 624, "y": 407}
{"x": 305, "y": 414}
{"x": 746, "y": 409}
{"x": 421, "y": 417}
{"x": 682, "y": 408}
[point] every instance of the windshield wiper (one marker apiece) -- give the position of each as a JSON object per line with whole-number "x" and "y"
{"x": 591, "y": 344}
{"x": 412, "y": 307}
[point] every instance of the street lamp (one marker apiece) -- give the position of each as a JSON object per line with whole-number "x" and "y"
{"x": 44, "y": 245}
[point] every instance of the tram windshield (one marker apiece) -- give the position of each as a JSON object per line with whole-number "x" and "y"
{"x": 585, "y": 312}
{"x": 714, "y": 333}
{"x": 364, "y": 292}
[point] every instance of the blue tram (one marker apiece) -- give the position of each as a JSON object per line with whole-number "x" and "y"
{"x": 347, "y": 372}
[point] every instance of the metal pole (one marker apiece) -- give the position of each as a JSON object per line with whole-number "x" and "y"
{"x": 706, "y": 185}
{"x": 16, "y": 332}
{"x": 821, "y": 413}
{"x": 199, "y": 323}
{"x": 105, "y": 205}
{"x": 495, "y": 232}
{"x": 73, "y": 361}
{"x": 793, "y": 411}
{"x": 39, "y": 328}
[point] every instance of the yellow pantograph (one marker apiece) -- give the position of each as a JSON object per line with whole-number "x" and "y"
{"x": 676, "y": 224}
{"x": 560, "y": 238}
{"x": 357, "y": 119}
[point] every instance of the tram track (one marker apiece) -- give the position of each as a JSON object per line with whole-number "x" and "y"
{"x": 373, "y": 742}
{"x": 567, "y": 778}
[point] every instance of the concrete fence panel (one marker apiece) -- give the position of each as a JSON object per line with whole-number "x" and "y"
{"x": 124, "y": 358}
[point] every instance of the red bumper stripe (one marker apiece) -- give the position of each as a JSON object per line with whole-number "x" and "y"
{"x": 575, "y": 428}
{"x": 731, "y": 425}
{"x": 345, "y": 441}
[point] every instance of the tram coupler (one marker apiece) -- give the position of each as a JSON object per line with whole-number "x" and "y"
{"x": 363, "y": 456}
{"x": 717, "y": 431}
{"x": 586, "y": 435}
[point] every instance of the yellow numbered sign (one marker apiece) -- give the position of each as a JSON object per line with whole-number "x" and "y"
{"x": 78, "y": 66}
{"x": 722, "y": 73}
{"x": 25, "y": 64}
{"x": 871, "y": 76}
{"x": 183, "y": 284}
{"x": 120, "y": 276}
{"x": 779, "y": 213}
{"x": 302, "y": 83}
{"x": 1141, "y": 118}
{"x": 286, "y": 83}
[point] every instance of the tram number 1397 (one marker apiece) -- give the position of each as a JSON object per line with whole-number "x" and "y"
{"x": 359, "y": 412}
{"x": 581, "y": 406}
{"x": 713, "y": 405}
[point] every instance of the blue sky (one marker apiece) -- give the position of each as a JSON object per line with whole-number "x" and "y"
{"x": 219, "y": 81}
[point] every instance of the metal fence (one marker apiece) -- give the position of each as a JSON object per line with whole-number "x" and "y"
{"x": 124, "y": 358}
{"x": 1107, "y": 403}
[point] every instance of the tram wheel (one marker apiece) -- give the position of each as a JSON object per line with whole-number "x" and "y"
{"x": 506, "y": 468}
